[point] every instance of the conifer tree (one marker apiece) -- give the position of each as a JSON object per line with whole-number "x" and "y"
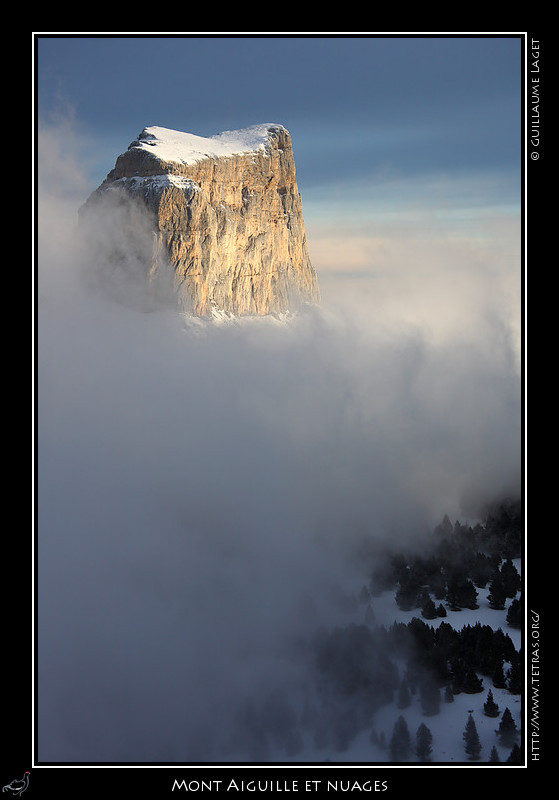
{"x": 428, "y": 609}
{"x": 504, "y": 645}
{"x": 400, "y": 743}
{"x": 461, "y": 593}
{"x": 406, "y": 594}
{"x": 472, "y": 743}
{"x": 444, "y": 528}
{"x": 494, "y": 756}
{"x": 496, "y": 596}
{"x": 469, "y": 595}
{"x": 515, "y": 613}
{"x": 481, "y": 570}
{"x": 458, "y": 675}
{"x": 515, "y": 677}
{"x": 510, "y": 578}
{"x": 441, "y": 610}
{"x": 437, "y": 584}
{"x": 448, "y": 694}
{"x": 499, "y": 681}
{"x": 490, "y": 707}
{"x": 423, "y": 740}
{"x": 422, "y": 594}
{"x": 471, "y": 683}
{"x": 515, "y": 756}
{"x": 507, "y": 731}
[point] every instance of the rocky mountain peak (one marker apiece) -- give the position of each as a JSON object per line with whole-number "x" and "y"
{"x": 216, "y": 220}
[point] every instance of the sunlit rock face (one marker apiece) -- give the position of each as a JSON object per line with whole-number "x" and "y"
{"x": 215, "y": 223}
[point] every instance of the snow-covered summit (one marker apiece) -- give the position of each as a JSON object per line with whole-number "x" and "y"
{"x": 226, "y": 219}
{"x": 187, "y": 148}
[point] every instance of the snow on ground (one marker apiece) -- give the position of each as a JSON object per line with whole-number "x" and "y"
{"x": 386, "y": 608}
{"x": 187, "y": 148}
{"x": 447, "y": 727}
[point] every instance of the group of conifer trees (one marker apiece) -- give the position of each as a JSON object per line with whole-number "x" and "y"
{"x": 358, "y": 668}
{"x": 445, "y": 661}
{"x": 454, "y": 563}
{"x": 403, "y": 747}
{"x": 507, "y": 734}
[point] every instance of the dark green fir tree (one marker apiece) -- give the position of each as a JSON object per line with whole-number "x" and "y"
{"x": 472, "y": 684}
{"x": 481, "y": 570}
{"x": 515, "y": 613}
{"x": 499, "y": 680}
{"x": 490, "y": 707}
{"x": 472, "y": 743}
{"x": 407, "y": 593}
{"x": 461, "y": 593}
{"x": 458, "y": 673}
{"x": 515, "y": 756}
{"x": 428, "y": 609}
{"x": 507, "y": 730}
{"x": 515, "y": 677}
{"x": 497, "y": 596}
{"x": 494, "y": 756}
{"x": 423, "y": 742}
{"x": 400, "y": 743}
{"x": 510, "y": 578}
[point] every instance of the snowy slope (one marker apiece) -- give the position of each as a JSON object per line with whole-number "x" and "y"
{"x": 448, "y": 725}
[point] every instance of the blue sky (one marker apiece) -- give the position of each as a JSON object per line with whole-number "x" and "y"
{"x": 407, "y": 148}
{"x": 408, "y": 104}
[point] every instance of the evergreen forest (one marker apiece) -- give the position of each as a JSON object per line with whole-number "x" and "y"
{"x": 360, "y": 668}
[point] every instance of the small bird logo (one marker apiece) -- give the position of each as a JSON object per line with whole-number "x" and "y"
{"x": 17, "y": 787}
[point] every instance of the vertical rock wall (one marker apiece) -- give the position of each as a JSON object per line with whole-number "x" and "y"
{"x": 227, "y": 227}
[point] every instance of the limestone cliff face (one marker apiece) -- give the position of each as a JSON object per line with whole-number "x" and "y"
{"x": 222, "y": 219}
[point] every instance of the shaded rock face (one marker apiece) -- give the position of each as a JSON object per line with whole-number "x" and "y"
{"x": 215, "y": 223}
